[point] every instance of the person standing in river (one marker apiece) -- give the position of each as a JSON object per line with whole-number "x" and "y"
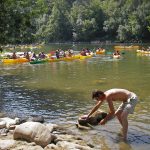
{"x": 128, "y": 99}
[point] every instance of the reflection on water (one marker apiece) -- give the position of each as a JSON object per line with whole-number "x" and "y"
{"x": 61, "y": 92}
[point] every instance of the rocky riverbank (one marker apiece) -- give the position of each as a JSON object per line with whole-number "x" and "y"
{"x": 34, "y": 134}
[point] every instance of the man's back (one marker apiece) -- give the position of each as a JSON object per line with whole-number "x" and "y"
{"x": 118, "y": 94}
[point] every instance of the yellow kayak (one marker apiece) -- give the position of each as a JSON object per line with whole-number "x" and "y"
{"x": 55, "y": 60}
{"x": 132, "y": 47}
{"x": 143, "y": 52}
{"x": 74, "y": 57}
{"x": 18, "y": 60}
{"x": 84, "y": 57}
{"x": 100, "y": 52}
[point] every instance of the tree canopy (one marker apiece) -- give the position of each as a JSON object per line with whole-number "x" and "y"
{"x": 28, "y": 21}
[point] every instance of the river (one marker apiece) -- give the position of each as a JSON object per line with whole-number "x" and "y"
{"x": 61, "y": 92}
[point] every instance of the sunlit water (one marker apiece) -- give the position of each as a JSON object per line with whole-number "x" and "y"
{"x": 61, "y": 92}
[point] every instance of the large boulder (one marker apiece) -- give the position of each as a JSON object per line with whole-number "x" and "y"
{"x": 33, "y": 132}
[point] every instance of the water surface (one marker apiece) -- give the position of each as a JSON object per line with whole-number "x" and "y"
{"x": 61, "y": 92}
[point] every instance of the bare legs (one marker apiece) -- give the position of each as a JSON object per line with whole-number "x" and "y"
{"x": 123, "y": 119}
{"x": 118, "y": 114}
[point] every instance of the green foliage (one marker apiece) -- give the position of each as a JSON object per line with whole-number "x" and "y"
{"x": 57, "y": 26}
{"x": 148, "y": 20}
{"x": 28, "y": 21}
{"x": 126, "y": 20}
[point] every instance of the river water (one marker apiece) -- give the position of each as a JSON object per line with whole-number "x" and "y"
{"x": 61, "y": 92}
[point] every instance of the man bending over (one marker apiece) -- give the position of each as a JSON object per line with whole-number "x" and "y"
{"x": 128, "y": 99}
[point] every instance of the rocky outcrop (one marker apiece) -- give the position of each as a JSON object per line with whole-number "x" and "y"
{"x": 38, "y": 136}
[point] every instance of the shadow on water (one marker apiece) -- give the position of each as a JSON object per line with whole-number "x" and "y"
{"x": 51, "y": 103}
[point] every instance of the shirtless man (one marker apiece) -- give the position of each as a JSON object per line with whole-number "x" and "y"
{"x": 128, "y": 99}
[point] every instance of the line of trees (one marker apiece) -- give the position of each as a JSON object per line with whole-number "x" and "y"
{"x": 28, "y": 21}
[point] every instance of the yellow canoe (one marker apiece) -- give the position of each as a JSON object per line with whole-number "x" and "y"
{"x": 143, "y": 52}
{"x": 132, "y": 47}
{"x": 84, "y": 57}
{"x": 74, "y": 57}
{"x": 18, "y": 60}
{"x": 100, "y": 52}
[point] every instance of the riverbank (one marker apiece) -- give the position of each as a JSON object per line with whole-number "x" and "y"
{"x": 38, "y": 136}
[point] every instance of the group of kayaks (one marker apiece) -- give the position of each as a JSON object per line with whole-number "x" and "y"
{"x": 38, "y": 61}
{"x": 71, "y": 58}
{"x": 74, "y": 57}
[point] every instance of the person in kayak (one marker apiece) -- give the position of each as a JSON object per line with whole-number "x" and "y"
{"x": 1, "y": 49}
{"x": 128, "y": 99}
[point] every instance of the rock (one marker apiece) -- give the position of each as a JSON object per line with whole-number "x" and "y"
{"x": 12, "y": 127}
{"x": 2, "y": 124}
{"x": 69, "y": 138}
{"x": 69, "y": 145}
{"x": 33, "y": 132}
{"x": 36, "y": 118}
{"x": 37, "y": 147}
{"x": 51, "y": 127}
{"x": 93, "y": 120}
{"x": 2, "y": 115}
{"x": 6, "y": 144}
{"x": 4, "y": 132}
{"x": 28, "y": 147}
{"x": 83, "y": 127}
{"x": 33, "y": 118}
{"x": 51, "y": 147}
{"x": 10, "y": 121}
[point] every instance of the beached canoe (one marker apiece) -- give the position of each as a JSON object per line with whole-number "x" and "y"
{"x": 18, "y": 60}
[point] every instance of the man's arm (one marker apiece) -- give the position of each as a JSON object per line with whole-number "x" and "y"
{"x": 95, "y": 108}
{"x": 110, "y": 114}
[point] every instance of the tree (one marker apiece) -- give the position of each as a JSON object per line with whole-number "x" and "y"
{"x": 57, "y": 27}
{"x": 83, "y": 22}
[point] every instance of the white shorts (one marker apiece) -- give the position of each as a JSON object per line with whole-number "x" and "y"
{"x": 129, "y": 105}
